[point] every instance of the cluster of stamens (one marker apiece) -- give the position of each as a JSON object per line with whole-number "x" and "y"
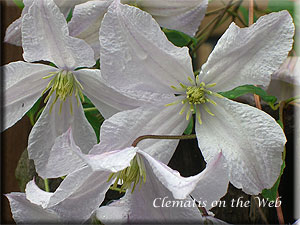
{"x": 64, "y": 84}
{"x": 134, "y": 174}
{"x": 196, "y": 94}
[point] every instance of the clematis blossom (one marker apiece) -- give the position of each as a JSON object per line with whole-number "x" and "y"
{"x": 88, "y": 180}
{"x": 285, "y": 82}
{"x": 143, "y": 64}
{"x": 45, "y": 37}
{"x": 182, "y": 15}
{"x": 78, "y": 195}
{"x": 13, "y": 32}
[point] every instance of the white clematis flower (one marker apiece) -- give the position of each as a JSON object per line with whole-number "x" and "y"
{"x": 285, "y": 82}
{"x": 79, "y": 194}
{"x": 13, "y": 32}
{"x": 45, "y": 37}
{"x": 88, "y": 182}
{"x": 182, "y": 15}
{"x": 141, "y": 63}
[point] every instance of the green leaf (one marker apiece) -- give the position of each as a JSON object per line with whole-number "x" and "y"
{"x": 96, "y": 120}
{"x": 271, "y": 194}
{"x": 19, "y": 3}
{"x": 245, "y": 14}
{"x": 245, "y": 89}
{"x": 280, "y": 123}
{"x": 93, "y": 116}
{"x": 278, "y": 5}
{"x": 178, "y": 38}
{"x": 69, "y": 17}
{"x": 34, "y": 109}
{"x": 190, "y": 127}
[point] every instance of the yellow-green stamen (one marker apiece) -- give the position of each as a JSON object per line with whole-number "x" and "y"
{"x": 64, "y": 84}
{"x": 197, "y": 94}
{"x": 134, "y": 174}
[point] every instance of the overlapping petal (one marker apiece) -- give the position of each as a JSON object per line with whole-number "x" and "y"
{"x": 182, "y": 15}
{"x": 145, "y": 205}
{"x": 45, "y": 36}
{"x": 62, "y": 160}
{"x": 215, "y": 180}
{"x": 250, "y": 140}
{"x": 250, "y": 55}
{"x": 106, "y": 99}
{"x": 51, "y": 125}
{"x": 285, "y": 82}
{"x": 86, "y": 22}
{"x": 129, "y": 36}
{"x": 24, "y": 211}
{"x": 161, "y": 177}
{"x": 20, "y": 77}
{"x": 13, "y": 32}
{"x": 119, "y": 131}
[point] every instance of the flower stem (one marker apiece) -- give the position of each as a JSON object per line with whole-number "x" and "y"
{"x": 92, "y": 109}
{"x": 174, "y": 137}
{"x": 279, "y": 213}
{"x": 46, "y": 182}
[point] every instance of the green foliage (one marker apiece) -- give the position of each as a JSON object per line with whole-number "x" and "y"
{"x": 271, "y": 194}
{"x": 190, "y": 127}
{"x": 33, "y": 112}
{"x": 245, "y": 13}
{"x": 245, "y": 89}
{"x": 178, "y": 38}
{"x": 69, "y": 17}
{"x": 19, "y": 3}
{"x": 278, "y": 5}
{"x": 93, "y": 116}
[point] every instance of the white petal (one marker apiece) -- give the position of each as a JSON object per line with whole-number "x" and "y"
{"x": 66, "y": 5}
{"x": 286, "y": 80}
{"x": 25, "y": 212}
{"x": 112, "y": 161}
{"x": 250, "y": 55}
{"x": 51, "y": 125}
{"x": 182, "y": 15}
{"x": 80, "y": 194}
{"x": 45, "y": 36}
{"x": 62, "y": 160}
{"x": 37, "y": 196}
{"x": 208, "y": 187}
{"x": 23, "y": 87}
{"x": 250, "y": 140}
{"x": 75, "y": 199}
{"x": 119, "y": 131}
{"x": 213, "y": 182}
{"x": 13, "y": 32}
{"x": 115, "y": 213}
{"x": 152, "y": 202}
{"x": 107, "y": 100}
{"x": 86, "y": 21}
{"x": 137, "y": 56}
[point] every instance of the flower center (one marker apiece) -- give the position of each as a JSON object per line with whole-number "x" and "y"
{"x": 197, "y": 94}
{"x": 64, "y": 84}
{"x": 135, "y": 173}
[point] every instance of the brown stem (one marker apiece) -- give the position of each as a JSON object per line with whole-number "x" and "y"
{"x": 279, "y": 213}
{"x": 170, "y": 137}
